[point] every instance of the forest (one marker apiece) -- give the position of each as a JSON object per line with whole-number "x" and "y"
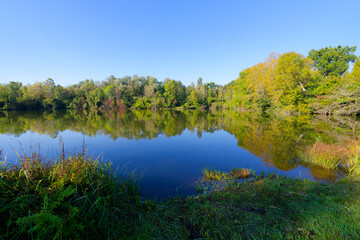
{"x": 289, "y": 83}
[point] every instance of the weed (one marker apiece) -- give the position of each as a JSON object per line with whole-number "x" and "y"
{"x": 240, "y": 173}
{"x": 213, "y": 174}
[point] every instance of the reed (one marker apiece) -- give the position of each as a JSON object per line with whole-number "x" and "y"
{"x": 353, "y": 163}
{"x": 336, "y": 156}
{"x": 327, "y": 155}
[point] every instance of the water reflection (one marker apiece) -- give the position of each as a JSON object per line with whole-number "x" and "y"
{"x": 277, "y": 142}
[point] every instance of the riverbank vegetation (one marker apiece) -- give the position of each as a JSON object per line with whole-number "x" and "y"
{"x": 237, "y": 173}
{"x": 288, "y": 83}
{"x": 335, "y": 155}
{"x": 80, "y": 198}
{"x": 73, "y": 197}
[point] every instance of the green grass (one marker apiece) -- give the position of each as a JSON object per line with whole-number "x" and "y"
{"x": 237, "y": 173}
{"x": 76, "y": 197}
{"x": 213, "y": 174}
{"x": 269, "y": 208}
{"x": 80, "y": 198}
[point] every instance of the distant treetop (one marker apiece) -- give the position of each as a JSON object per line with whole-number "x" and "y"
{"x": 333, "y": 60}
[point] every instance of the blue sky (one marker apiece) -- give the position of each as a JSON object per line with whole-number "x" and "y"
{"x": 71, "y": 41}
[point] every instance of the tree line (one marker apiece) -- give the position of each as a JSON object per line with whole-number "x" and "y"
{"x": 289, "y": 83}
{"x": 109, "y": 95}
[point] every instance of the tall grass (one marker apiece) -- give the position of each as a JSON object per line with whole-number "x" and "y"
{"x": 73, "y": 197}
{"x": 327, "y": 155}
{"x": 336, "y": 156}
{"x": 353, "y": 164}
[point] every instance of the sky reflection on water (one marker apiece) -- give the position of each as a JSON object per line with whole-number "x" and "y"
{"x": 169, "y": 149}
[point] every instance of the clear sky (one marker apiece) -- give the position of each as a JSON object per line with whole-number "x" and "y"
{"x": 73, "y": 40}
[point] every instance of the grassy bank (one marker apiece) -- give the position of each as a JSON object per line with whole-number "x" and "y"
{"x": 269, "y": 208}
{"x": 74, "y": 197}
{"x": 80, "y": 198}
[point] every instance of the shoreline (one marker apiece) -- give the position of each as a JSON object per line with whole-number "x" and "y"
{"x": 78, "y": 197}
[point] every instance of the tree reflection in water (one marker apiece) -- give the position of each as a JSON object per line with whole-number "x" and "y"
{"x": 278, "y": 142}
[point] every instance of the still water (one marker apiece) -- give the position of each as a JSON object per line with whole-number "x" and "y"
{"x": 169, "y": 149}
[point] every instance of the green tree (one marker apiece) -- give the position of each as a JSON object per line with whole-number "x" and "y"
{"x": 48, "y": 88}
{"x": 170, "y": 92}
{"x": 211, "y": 92}
{"x": 333, "y": 61}
{"x": 110, "y": 91}
{"x": 201, "y": 90}
{"x": 11, "y": 94}
{"x": 61, "y": 97}
{"x": 151, "y": 86}
{"x": 3, "y": 96}
{"x": 192, "y": 100}
{"x": 174, "y": 93}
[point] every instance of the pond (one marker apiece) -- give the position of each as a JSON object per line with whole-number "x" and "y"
{"x": 169, "y": 149}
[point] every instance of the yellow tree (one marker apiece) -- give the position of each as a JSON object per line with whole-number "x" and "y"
{"x": 355, "y": 73}
{"x": 292, "y": 77}
{"x": 256, "y": 81}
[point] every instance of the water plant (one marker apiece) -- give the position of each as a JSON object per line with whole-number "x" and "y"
{"x": 213, "y": 174}
{"x": 236, "y": 173}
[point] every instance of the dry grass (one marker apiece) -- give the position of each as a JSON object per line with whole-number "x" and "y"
{"x": 353, "y": 163}
{"x": 333, "y": 156}
{"x": 327, "y": 155}
{"x": 241, "y": 173}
